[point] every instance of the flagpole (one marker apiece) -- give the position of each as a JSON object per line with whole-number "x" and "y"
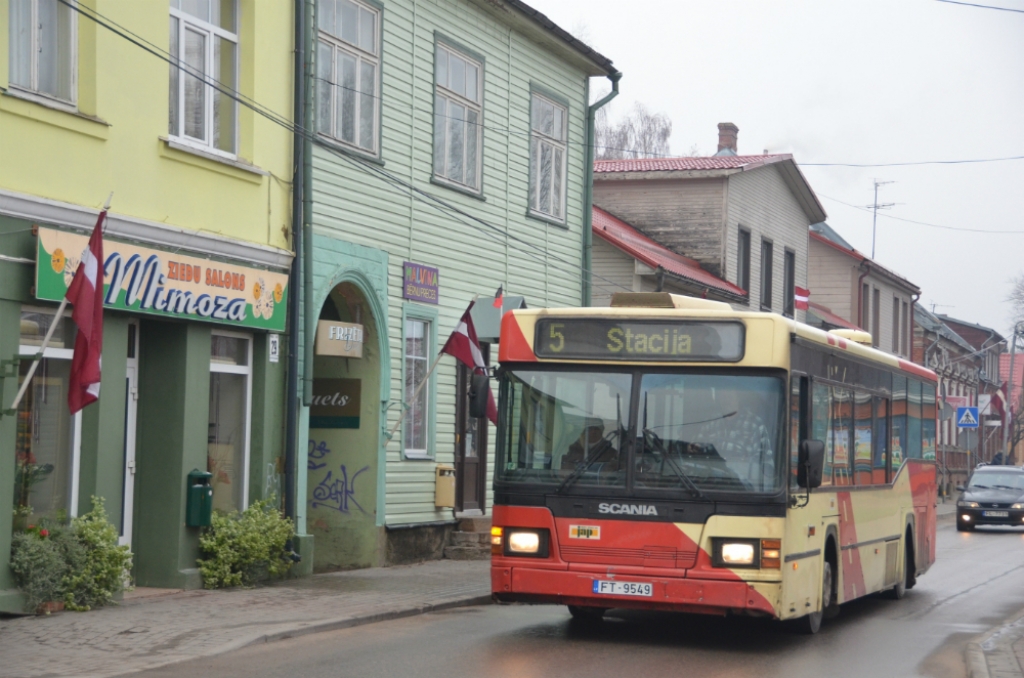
{"x": 416, "y": 393}
{"x": 49, "y": 334}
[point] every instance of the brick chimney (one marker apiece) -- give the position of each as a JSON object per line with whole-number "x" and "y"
{"x": 727, "y": 133}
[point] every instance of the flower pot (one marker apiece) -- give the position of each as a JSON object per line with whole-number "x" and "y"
{"x": 50, "y": 607}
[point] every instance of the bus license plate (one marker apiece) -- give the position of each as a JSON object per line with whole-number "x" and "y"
{"x": 623, "y": 588}
{"x": 996, "y": 514}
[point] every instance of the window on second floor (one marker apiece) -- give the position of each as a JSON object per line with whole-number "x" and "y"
{"x": 743, "y": 260}
{"x": 458, "y": 117}
{"x": 42, "y": 48}
{"x": 865, "y": 307}
{"x": 789, "y": 283}
{"x": 876, "y": 318}
{"x": 348, "y": 68}
{"x": 906, "y": 330}
{"x": 895, "y": 324}
{"x": 766, "y": 275}
{"x": 204, "y": 41}
{"x": 548, "y": 122}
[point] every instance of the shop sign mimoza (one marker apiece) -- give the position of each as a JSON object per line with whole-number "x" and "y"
{"x": 163, "y": 283}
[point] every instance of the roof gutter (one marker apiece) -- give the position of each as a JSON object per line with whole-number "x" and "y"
{"x": 588, "y": 187}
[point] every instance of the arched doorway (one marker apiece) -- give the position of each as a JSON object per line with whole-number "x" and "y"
{"x": 344, "y": 432}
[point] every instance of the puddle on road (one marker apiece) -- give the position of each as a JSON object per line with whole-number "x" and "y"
{"x": 948, "y": 660}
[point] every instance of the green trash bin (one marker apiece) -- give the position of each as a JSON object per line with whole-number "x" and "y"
{"x": 199, "y": 501}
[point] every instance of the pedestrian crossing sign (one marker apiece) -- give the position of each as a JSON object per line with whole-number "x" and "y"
{"x": 967, "y": 417}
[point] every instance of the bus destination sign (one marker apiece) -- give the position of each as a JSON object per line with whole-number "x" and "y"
{"x": 639, "y": 340}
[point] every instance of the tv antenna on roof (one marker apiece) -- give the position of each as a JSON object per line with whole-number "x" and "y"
{"x": 874, "y": 208}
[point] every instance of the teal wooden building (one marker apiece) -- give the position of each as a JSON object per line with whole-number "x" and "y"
{"x": 450, "y": 158}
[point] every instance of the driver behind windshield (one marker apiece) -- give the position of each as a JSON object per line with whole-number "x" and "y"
{"x": 593, "y": 447}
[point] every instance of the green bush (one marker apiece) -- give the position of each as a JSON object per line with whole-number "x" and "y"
{"x": 80, "y": 564}
{"x": 240, "y": 549}
{"x": 106, "y": 566}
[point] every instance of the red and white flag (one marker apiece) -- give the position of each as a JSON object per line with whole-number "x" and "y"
{"x": 802, "y": 298}
{"x": 86, "y": 295}
{"x": 464, "y": 347}
{"x": 999, "y": 402}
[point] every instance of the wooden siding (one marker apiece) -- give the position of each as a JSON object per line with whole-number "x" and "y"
{"x": 352, "y": 204}
{"x": 612, "y": 271}
{"x": 683, "y": 215}
{"x": 832, "y": 279}
{"x": 761, "y": 201}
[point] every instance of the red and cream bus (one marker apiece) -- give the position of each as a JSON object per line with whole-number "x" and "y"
{"x": 670, "y": 453}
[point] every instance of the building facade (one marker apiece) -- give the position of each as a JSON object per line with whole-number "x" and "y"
{"x": 743, "y": 219}
{"x": 449, "y": 161}
{"x": 197, "y": 254}
{"x": 859, "y": 291}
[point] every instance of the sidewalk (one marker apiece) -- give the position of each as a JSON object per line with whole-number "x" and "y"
{"x": 148, "y": 631}
{"x": 998, "y": 653}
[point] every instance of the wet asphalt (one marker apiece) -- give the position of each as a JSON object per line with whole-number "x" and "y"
{"x": 977, "y": 582}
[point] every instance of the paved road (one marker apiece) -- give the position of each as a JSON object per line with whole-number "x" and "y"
{"x": 977, "y": 582}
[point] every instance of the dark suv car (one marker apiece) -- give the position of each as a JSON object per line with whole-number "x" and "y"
{"x": 994, "y": 496}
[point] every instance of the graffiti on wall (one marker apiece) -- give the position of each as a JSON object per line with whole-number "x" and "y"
{"x": 336, "y": 492}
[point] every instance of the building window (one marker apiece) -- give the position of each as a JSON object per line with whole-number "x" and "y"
{"x": 458, "y": 114}
{"x": 547, "y": 157}
{"x": 865, "y": 307}
{"x": 896, "y": 325}
{"x": 907, "y": 330}
{"x": 348, "y": 66}
{"x": 43, "y": 47}
{"x": 416, "y": 437}
{"x": 766, "y": 275}
{"x": 48, "y": 437}
{"x": 789, "y": 283}
{"x": 876, "y": 317}
{"x": 204, "y": 40}
{"x": 227, "y": 450}
{"x": 743, "y": 261}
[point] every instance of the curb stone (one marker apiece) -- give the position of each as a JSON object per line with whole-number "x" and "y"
{"x": 991, "y": 655}
{"x": 325, "y": 626}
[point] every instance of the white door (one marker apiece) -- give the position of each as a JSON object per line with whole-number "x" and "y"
{"x": 130, "y": 418}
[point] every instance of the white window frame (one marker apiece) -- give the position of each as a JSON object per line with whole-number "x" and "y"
{"x": 429, "y": 332}
{"x": 29, "y": 352}
{"x": 337, "y": 45}
{"x": 33, "y": 88}
{"x": 247, "y": 371}
{"x": 537, "y": 139}
{"x": 450, "y": 97}
{"x": 186, "y": 20}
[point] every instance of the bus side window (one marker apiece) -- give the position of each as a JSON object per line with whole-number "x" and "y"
{"x": 798, "y": 424}
{"x": 821, "y": 425}
{"x": 881, "y": 454}
{"x": 862, "y": 438}
{"x": 899, "y": 422}
{"x": 842, "y": 421}
{"x": 927, "y": 421}
{"x": 913, "y": 419}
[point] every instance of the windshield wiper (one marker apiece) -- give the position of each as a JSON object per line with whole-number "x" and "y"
{"x": 975, "y": 487}
{"x": 1006, "y": 487}
{"x": 660, "y": 449}
{"x": 591, "y": 459}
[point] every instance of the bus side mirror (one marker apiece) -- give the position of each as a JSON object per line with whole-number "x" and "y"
{"x": 811, "y": 464}
{"x": 479, "y": 390}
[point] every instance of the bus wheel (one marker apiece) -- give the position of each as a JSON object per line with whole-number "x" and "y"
{"x": 811, "y": 623}
{"x": 900, "y": 590}
{"x": 587, "y": 614}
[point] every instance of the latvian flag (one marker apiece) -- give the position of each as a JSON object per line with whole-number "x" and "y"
{"x": 86, "y": 295}
{"x": 465, "y": 348}
{"x": 802, "y": 298}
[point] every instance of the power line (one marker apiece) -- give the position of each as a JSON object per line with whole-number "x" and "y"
{"x": 924, "y": 223}
{"x": 437, "y": 203}
{"x": 971, "y": 4}
{"x": 912, "y": 164}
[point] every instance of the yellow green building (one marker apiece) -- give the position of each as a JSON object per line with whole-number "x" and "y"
{"x": 197, "y": 251}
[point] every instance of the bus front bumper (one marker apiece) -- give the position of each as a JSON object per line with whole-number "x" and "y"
{"x": 700, "y": 596}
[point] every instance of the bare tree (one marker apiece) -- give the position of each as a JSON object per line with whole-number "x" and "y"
{"x": 1016, "y": 299}
{"x": 641, "y": 134}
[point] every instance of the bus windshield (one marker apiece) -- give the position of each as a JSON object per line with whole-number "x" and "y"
{"x": 693, "y": 432}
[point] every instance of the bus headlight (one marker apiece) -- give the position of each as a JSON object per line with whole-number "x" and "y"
{"x": 727, "y": 552}
{"x": 526, "y": 542}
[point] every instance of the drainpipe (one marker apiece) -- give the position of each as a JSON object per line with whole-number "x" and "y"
{"x": 588, "y": 188}
{"x": 292, "y": 401}
{"x": 309, "y": 303}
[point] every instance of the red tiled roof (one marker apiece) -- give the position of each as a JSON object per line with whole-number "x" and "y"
{"x": 831, "y": 318}
{"x": 1018, "y": 376}
{"x": 714, "y": 162}
{"x": 626, "y": 238}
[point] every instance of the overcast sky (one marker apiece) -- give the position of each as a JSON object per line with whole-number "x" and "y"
{"x": 855, "y": 81}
